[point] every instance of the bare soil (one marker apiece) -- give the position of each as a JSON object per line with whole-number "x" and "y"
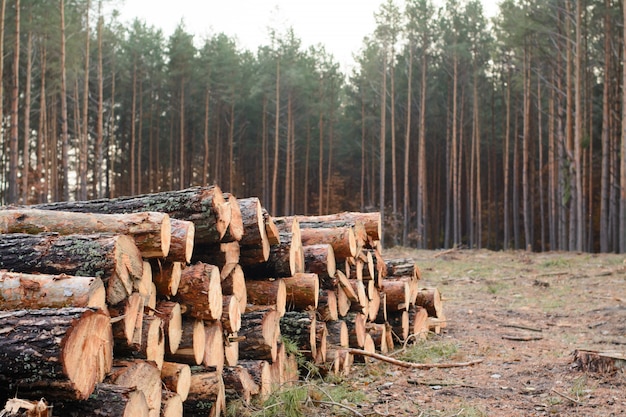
{"x": 524, "y": 314}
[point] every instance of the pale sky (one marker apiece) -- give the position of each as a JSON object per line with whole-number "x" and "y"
{"x": 339, "y": 25}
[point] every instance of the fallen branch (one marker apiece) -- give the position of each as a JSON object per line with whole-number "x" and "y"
{"x": 522, "y": 338}
{"x": 566, "y": 396}
{"x": 519, "y": 326}
{"x": 413, "y": 365}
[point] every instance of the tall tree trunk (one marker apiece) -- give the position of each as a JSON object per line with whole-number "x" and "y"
{"x": 578, "y": 128}
{"x": 394, "y": 171}
{"x": 526, "y": 153}
{"x": 606, "y": 129}
{"x": 383, "y": 131}
{"x": 552, "y": 170}
{"x": 264, "y": 151}
{"x": 97, "y": 170}
{"x": 43, "y": 151}
{"x": 506, "y": 159}
{"x": 541, "y": 175}
{"x": 276, "y": 139}
{"x": 13, "y": 148}
{"x": 182, "y": 141}
{"x": 622, "y": 182}
{"x": 307, "y": 157}
{"x": 27, "y": 106}
{"x": 477, "y": 135}
{"x": 133, "y": 130}
{"x": 205, "y": 164}
{"x": 288, "y": 172}
{"x": 231, "y": 146}
{"x": 82, "y": 191}
{"x": 453, "y": 156}
{"x": 3, "y": 4}
{"x": 407, "y": 149}
{"x": 363, "y": 162}
{"x": 140, "y": 175}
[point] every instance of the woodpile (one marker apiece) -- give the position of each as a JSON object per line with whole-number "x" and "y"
{"x": 173, "y": 303}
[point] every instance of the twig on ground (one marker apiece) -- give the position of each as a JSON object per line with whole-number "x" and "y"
{"x": 522, "y": 338}
{"x": 333, "y": 403}
{"x": 519, "y": 326}
{"x": 412, "y": 364}
{"x": 567, "y": 397}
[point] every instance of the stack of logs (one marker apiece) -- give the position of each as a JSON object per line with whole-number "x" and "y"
{"x": 171, "y": 303}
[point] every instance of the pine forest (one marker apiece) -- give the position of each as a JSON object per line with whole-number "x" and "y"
{"x": 504, "y": 132}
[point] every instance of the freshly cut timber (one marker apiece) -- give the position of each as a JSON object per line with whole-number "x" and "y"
{"x": 259, "y": 333}
{"x": 214, "y": 349}
{"x": 320, "y": 259}
{"x": 170, "y": 313}
{"x": 238, "y": 383}
{"x": 356, "y": 329}
{"x": 277, "y": 367}
{"x": 204, "y": 206}
{"x": 192, "y": 343}
{"x": 220, "y": 254}
{"x": 285, "y": 259}
{"x": 235, "y": 230}
{"x": 171, "y": 404}
{"x": 327, "y": 306}
{"x": 402, "y": 267}
{"x": 200, "y": 291}
{"x": 398, "y": 292}
{"x": 321, "y": 337}
{"x": 126, "y": 318}
{"x": 176, "y": 377}
{"x": 207, "y": 396}
{"x": 299, "y": 327}
{"x": 379, "y": 335}
{"x": 400, "y": 325}
{"x": 338, "y": 333}
{"x": 253, "y": 223}
{"x": 107, "y": 400}
{"x": 273, "y": 235}
{"x": 150, "y": 230}
{"x": 303, "y": 291}
{"x": 261, "y": 374}
{"x": 231, "y": 349}
{"x": 148, "y": 344}
{"x": 430, "y": 299}
{"x": 342, "y": 239}
{"x": 34, "y": 291}
{"x": 369, "y": 221}
{"x": 234, "y": 283}
{"x": 113, "y": 258}
{"x": 231, "y": 314}
{"x": 272, "y": 291}
{"x": 54, "y": 353}
{"x": 343, "y": 302}
{"x": 143, "y": 375}
{"x": 166, "y": 276}
{"x": 182, "y": 242}
{"x": 418, "y": 322}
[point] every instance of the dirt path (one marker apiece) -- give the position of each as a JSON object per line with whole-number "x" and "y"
{"x": 524, "y": 315}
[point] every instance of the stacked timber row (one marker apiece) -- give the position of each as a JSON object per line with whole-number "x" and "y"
{"x": 171, "y": 303}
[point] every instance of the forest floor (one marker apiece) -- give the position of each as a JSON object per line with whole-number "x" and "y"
{"x": 524, "y": 314}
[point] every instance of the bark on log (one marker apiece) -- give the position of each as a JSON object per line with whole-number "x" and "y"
{"x": 55, "y": 353}
{"x": 299, "y": 327}
{"x": 379, "y": 335}
{"x": 369, "y": 221}
{"x": 231, "y": 314}
{"x": 321, "y": 341}
{"x": 170, "y": 313}
{"x": 143, "y": 375}
{"x": 261, "y": 374}
{"x": 259, "y": 334}
{"x": 430, "y": 299}
{"x": 362, "y": 304}
{"x": 347, "y": 287}
{"x": 235, "y": 230}
{"x": 418, "y": 322}
{"x": 207, "y": 396}
{"x": 200, "y": 291}
{"x": 302, "y": 291}
{"x": 35, "y": 291}
{"x": 113, "y": 258}
{"x": 166, "y": 276}
{"x": 182, "y": 241}
{"x": 356, "y": 329}
{"x": 342, "y": 240}
{"x": 192, "y": 343}
{"x": 343, "y": 302}
{"x": 127, "y": 317}
{"x": 327, "y": 306}
{"x": 253, "y": 224}
{"x": 320, "y": 259}
{"x": 148, "y": 344}
{"x": 400, "y": 325}
{"x": 338, "y": 333}
{"x": 234, "y": 283}
{"x": 176, "y": 377}
{"x": 150, "y": 230}
{"x": 239, "y": 384}
{"x": 204, "y": 206}
{"x": 214, "y": 348}
{"x": 285, "y": 259}
{"x": 219, "y": 255}
{"x": 339, "y": 361}
{"x": 398, "y": 292}
{"x": 107, "y": 400}
{"x": 144, "y": 285}
{"x": 273, "y": 235}
{"x": 402, "y": 267}
{"x": 171, "y": 404}
{"x": 268, "y": 292}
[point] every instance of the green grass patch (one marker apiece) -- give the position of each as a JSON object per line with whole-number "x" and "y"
{"x": 429, "y": 352}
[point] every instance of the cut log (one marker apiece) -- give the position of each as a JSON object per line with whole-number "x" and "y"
{"x": 239, "y": 384}
{"x": 14, "y": 406}
{"x": 148, "y": 344}
{"x": 35, "y": 291}
{"x": 370, "y": 222}
{"x": 342, "y": 240}
{"x": 204, "y": 206}
{"x": 182, "y": 242}
{"x": 400, "y": 325}
{"x": 430, "y": 299}
{"x": 327, "y": 306}
{"x": 171, "y": 404}
{"x": 382, "y": 315}
{"x": 231, "y": 349}
{"x": 343, "y": 302}
{"x": 54, "y": 353}
{"x": 200, "y": 291}
{"x": 268, "y": 292}
{"x": 299, "y": 327}
{"x": 347, "y": 287}
{"x": 114, "y": 258}
{"x": 356, "y": 329}
{"x": 379, "y": 335}
{"x": 107, "y": 400}
{"x": 597, "y": 361}
{"x": 234, "y": 283}
{"x": 253, "y": 224}
{"x": 219, "y": 255}
{"x": 402, "y": 267}
{"x": 127, "y": 317}
{"x": 321, "y": 341}
{"x": 277, "y": 367}
{"x": 339, "y": 361}
{"x": 259, "y": 334}
{"x": 398, "y": 292}
{"x": 374, "y": 303}
{"x": 302, "y": 291}
{"x": 192, "y": 343}
{"x": 235, "y": 229}
{"x": 338, "y": 333}
{"x": 170, "y": 313}
{"x": 418, "y": 322}
{"x": 231, "y": 314}
{"x": 214, "y": 348}
{"x": 143, "y": 375}
{"x": 362, "y": 304}
{"x": 207, "y": 396}
{"x": 176, "y": 377}
{"x": 273, "y": 235}
{"x": 320, "y": 259}
{"x": 144, "y": 284}
{"x": 261, "y": 374}
{"x": 285, "y": 259}
{"x": 150, "y": 230}
{"x": 166, "y": 276}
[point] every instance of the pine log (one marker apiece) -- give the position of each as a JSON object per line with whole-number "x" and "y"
{"x": 234, "y": 283}
{"x": 379, "y": 335}
{"x": 238, "y": 383}
{"x": 170, "y": 313}
{"x": 370, "y": 222}
{"x": 127, "y": 317}
{"x": 402, "y": 267}
{"x": 35, "y": 291}
{"x": 14, "y": 406}
{"x": 148, "y": 344}
{"x": 338, "y": 333}
{"x": 398, "y": 292}
{"x": 321, "y": 341}
{"x": 268, "y": 292}
{"x": 347, "y": 286}
{"x": 253, "y": 224}
{"x": 302, "y": 291}
{"x": 144, "y": 284}
{"x": 320, "y": 259}
{"x": 598, "y": 361}
{"x": 277, "y": 367}
{"x": 400, "y": 325}
{"x": 339, "y": 361}
{"x": 214, "y": 348}
{"x": 362, "y": 304}
{"x": 54, "y": 353}
{"x": 430, "y": 299}
{"x": 182, "y": 242}
{"x": 418, "y": 322}
{"x": 231, "y": 314}
{"x": 356, "y": 329}
{"x": 107, "y": 400}
{"x": 200, "y": 291}
{"x": 171, "y": 404}
{"x": 327, "y": 306}
{"x": 299, "y": 327}
{"x": 207, "y": 396}
{"x": 192, "y": 343}
{"x": 219, "y": 255}
{"x": 374, "y": 303}
{"x": 273, "y": 235}
{"x": 150, "y": 230}
{"x": 259, "y": 334}
{"x": 114, "y": 258}
{"x": 369, "y": 346}
{"x": 342, "y": 240}
{"x": 166, "y": 276}
{"x": 285, "y": 259}
{"x": 382, "y": 315}
{"x": 231, "y": 349}
{"x": 176, "y": 377}
{"x": 235, "y": 230}
{"x": 261, "y": 374}
{"x": 204, "y": 206}
{"x": 143, "y": 375}
{"x": 343, "y": 302}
